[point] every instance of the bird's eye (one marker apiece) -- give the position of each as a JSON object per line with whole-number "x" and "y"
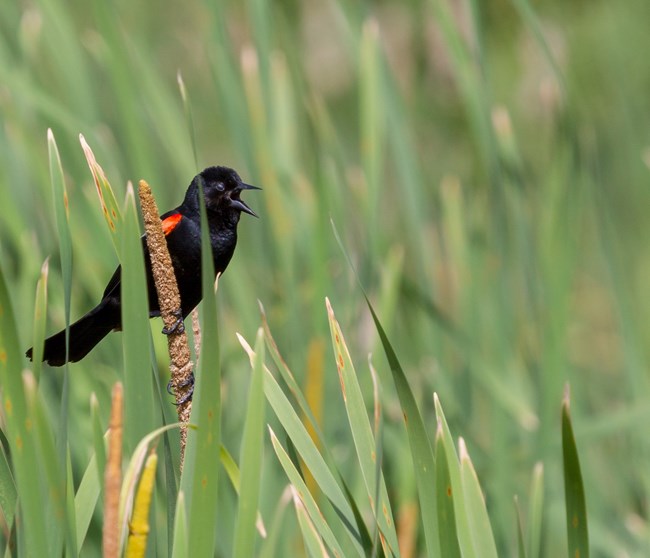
{"x": 220, "y": 186}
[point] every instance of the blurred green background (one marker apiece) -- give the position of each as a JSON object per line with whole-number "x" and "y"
{"x": 485, "y": 163}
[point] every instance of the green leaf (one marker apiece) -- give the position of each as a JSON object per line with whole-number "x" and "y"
{"x": 307, "y": 449}
{"x": 419, "y": 442}
{"x": 138, "y": 381}
{"x": 200, "y": 476}
{"x": 574, "y": 492}
{"x": 60, "y": 197}
{"x": 40, "y": 314}
{"x": 300, "y": 491}
{"x": 462, "y": 526}
{"x": 446, "y": 497}
{"x": 364, "y": 441}
{"x": 251, "y": 457}
{"x": 8, "y": 495}
{"x": 313, "y": 542}
{"x": 181, "y": 543}
{"x": 86, "y": 499}
{"x": 99, "y": 436}
{"x": 536, "y": 512}
{"x": 477, "y": 517}
{"x": 275, "y": 535}
{"x": 289, "y": 378}
{"x": 133, "y": 470}
{"x": 521, "y": 546}
{"x": 110, "y": 209}
{"x": 50, "y": 479}
{"x": 70, "y": 511}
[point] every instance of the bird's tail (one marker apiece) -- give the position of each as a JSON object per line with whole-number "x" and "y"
{"x": 85, "y": 333}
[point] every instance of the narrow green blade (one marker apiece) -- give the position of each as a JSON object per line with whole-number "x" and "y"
{"x": 462, "y": 527}
{"x": 310, "y": 536}
{"x": 60, "y": 197}
{"x": 21, "y": 439}
{"x": 251, "y": 457}
{"x": 477, "y": 517}
{"x": 307, "y": 449}
{"x": 446, "y": 497}
{"x": 307, "y": 500}
{"x": 138, "y": 382}
{"x": 8, "y": 495}
{"x": 181, "y": 543}
{"x": 364, "y": 440}
{"x": 419, "y": 442}
{"x": 574, "y": 492}
{"x": 521, "y": 545}
{"x": 40, "y": 313}
{"x": 200, "y": 475}
{"x": 86, "y": 499}
{"x": 536, "y": 512}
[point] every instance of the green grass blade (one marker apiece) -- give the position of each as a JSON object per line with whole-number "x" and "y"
{"x": 275, "y": 535}
{"x": 364, "y": 441}
{"x": 21, "y": 438}
{"x": 40, "y": 314}
{"x": 181, "y": 542}
{"x": 200, "y": 477}
{"x": 574, "y": 492}
{"x": 306, "y": 498}
{"x": 419, "y": 442}
{"x": 138, "y": 385}
{"x": 8, "y": 494}
{"x": 86, "y": 499}
{"x": 313, "y": 542}
{"x": 72, "y": 548}
{"x": 99, "y": 440}
{"x": 133, "y": 471}
{"x": 536, "y": 512}
{"x": 446, "y": 497}
{"x": 110, "y": 208}
{"x": 307, "y": 449}
{"x": 478, "y": 520}
{"x": 289, "y": 378}
{"x": 462, "y": 526}
{"x": 60, "y": 197}
{"x": 312, "y": 424}
{"x": 232, "y": 471}
{"x": 251, "y": 457}
{"x": 52, "y": 476}
{"x": 521, "y": 545}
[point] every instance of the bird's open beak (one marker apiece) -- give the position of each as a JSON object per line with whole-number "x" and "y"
{"x": 238, "y": 203}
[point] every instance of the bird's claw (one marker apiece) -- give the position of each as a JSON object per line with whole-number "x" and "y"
{"x": 178, "y": 326}
{"x": 186, "y": 383}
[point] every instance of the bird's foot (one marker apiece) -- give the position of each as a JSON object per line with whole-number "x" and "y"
{"x": 178, "y": 326}
{"x": 186, "y": 383}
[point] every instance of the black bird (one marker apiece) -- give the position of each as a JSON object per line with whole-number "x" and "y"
{"x": 222, "y": 187}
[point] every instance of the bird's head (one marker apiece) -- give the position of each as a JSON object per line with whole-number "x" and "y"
{"x": 222, "y": 188}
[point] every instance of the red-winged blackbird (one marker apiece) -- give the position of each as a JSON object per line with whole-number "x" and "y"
{"x": 222, "y": 188}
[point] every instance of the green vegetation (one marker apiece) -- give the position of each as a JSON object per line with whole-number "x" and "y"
{"x": 478, "y": 170}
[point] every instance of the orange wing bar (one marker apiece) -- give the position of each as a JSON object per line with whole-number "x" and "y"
{"x": 169, "y": 224}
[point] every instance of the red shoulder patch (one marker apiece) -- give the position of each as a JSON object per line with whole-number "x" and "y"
{"x": 170, "y": 223}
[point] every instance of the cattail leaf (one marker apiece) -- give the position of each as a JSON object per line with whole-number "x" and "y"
{"x": 574, "y": 491}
